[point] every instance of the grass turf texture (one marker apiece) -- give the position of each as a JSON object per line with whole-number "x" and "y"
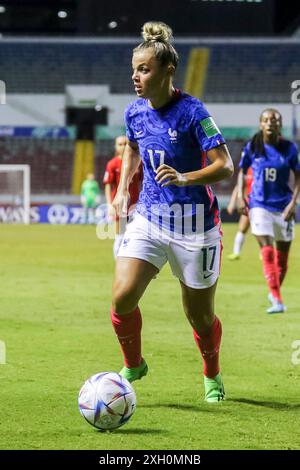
{"x": 55, "y": 291}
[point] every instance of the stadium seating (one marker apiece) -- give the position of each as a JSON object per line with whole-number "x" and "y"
{"x": 252, "y": 72}
{"x": 104, "y": 151}
{"x": 243, "y": 72}
{"x": 237, "y": 72}
{"x": 51, "y": 161}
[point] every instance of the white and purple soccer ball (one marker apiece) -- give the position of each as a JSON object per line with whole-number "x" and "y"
{"x": 107, "y": 401}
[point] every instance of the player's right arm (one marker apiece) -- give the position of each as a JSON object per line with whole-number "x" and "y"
{"x": 108, "y": 197}
{"x": 108, "y": 181}
{"x": 130, "y": 162}
{"x": 240, "y": 201}
{"x": 108, "y": 193}
{"x": 82, "y": 193}
{"x": 244, "y": 165}
{"x": 294, "y": 161}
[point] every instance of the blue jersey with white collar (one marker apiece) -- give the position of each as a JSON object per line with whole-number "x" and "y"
{"x": 271, "y": 172}
{"x": 179, "y": 134}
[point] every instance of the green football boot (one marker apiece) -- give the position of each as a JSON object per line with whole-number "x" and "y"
{"x": 214, "y": 389}
{"x": 134, "y": 373}
{"x": 233, "y": 256}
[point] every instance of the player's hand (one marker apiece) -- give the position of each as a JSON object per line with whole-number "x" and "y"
{"x": 120, "y": 204}
{"x": 242, "y": 206}
{"x": 290, "y": 211}
{"x": 230, "y": 209}
{"x": 166, "y": 175}
{"x": 111, "y": 213}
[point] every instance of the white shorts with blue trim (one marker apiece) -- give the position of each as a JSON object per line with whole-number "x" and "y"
{"x": 194, "y": 258}
{"x": 272, "y": 224}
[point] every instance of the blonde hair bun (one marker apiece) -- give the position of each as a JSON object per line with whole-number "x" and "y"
{"x": 157, "y": 31}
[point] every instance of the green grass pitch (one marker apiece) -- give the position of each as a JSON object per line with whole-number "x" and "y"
{"x": 55, "y": 290}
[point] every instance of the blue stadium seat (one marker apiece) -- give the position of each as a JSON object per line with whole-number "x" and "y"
{"x": 237, "y": 72}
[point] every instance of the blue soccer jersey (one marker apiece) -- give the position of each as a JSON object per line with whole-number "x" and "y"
{"x": 271, "y": 172}
{"x": 178, "y": 134}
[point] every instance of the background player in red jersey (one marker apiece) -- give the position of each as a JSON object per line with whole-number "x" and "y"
{"x": 111, "y": 180}
{"x": 244, "y": 222}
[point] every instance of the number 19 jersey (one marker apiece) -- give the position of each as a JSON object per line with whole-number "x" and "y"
{"x": 271, "y": 172}
{"x": 178, "y": 134}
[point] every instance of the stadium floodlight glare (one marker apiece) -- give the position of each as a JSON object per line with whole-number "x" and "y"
{"x": 62, "y": 14}
{"x": 15, "y": 189}
{"x": 112, "y": 25}
{"x": 2, "y": 9}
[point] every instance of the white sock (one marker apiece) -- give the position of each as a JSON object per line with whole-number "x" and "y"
{"x": 117, "y": 244}
{"x": 238, "y": 243}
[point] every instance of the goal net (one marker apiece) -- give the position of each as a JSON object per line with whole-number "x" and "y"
{"x": 15, "y": 194}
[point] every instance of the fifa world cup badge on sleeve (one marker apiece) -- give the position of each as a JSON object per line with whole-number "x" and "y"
{"x": 210, "y": 127}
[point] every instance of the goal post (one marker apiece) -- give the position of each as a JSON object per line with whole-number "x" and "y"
{"x": 15, "y": 189}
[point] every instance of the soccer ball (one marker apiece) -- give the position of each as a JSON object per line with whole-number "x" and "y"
{"x": 107, "y": 401}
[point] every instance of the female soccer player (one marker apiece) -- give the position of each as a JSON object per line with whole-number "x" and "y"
{"x": 90, "y": 198}
{"x": 244, "y": 222}
{"x": 111, "y": 180}
{"x": 272, "y": 202}
{"x": 177, "y": 217}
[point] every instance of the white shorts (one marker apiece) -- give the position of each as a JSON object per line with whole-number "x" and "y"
{"x": 194, "y": 259}
{"x": 264, "y": 222}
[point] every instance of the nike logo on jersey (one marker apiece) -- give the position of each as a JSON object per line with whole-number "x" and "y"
{"x": 206, "y": 276}
{"x": 138, "y": 133}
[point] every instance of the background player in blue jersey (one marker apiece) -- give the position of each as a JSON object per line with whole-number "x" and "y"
{"x": 177, "y": 217}
{"x": 272, "y": 202}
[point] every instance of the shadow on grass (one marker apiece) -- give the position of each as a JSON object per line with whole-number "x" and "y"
{"x": 266, "y": 404}
{"x": 139, "y": 431}
{"x": 206, "y": 408}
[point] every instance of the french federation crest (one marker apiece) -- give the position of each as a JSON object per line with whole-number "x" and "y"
{"x": 173, "y": 135}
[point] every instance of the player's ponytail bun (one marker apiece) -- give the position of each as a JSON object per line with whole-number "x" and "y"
{"x": 154, "y": 31}
{"x": 158, "y": 36}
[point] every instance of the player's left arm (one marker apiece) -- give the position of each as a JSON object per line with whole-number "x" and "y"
{"x": 221, "y": 167}
{"x": 83, "y": 193}
{"x": 82, "y": 189}
{"x": 290, "y": 210}
{"x": 232, "y": 202}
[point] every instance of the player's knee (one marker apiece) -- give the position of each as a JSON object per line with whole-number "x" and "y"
{"x": 201, "y": 321}
{"x": 124, "y": 300}
{"x": 207, "y": 322}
